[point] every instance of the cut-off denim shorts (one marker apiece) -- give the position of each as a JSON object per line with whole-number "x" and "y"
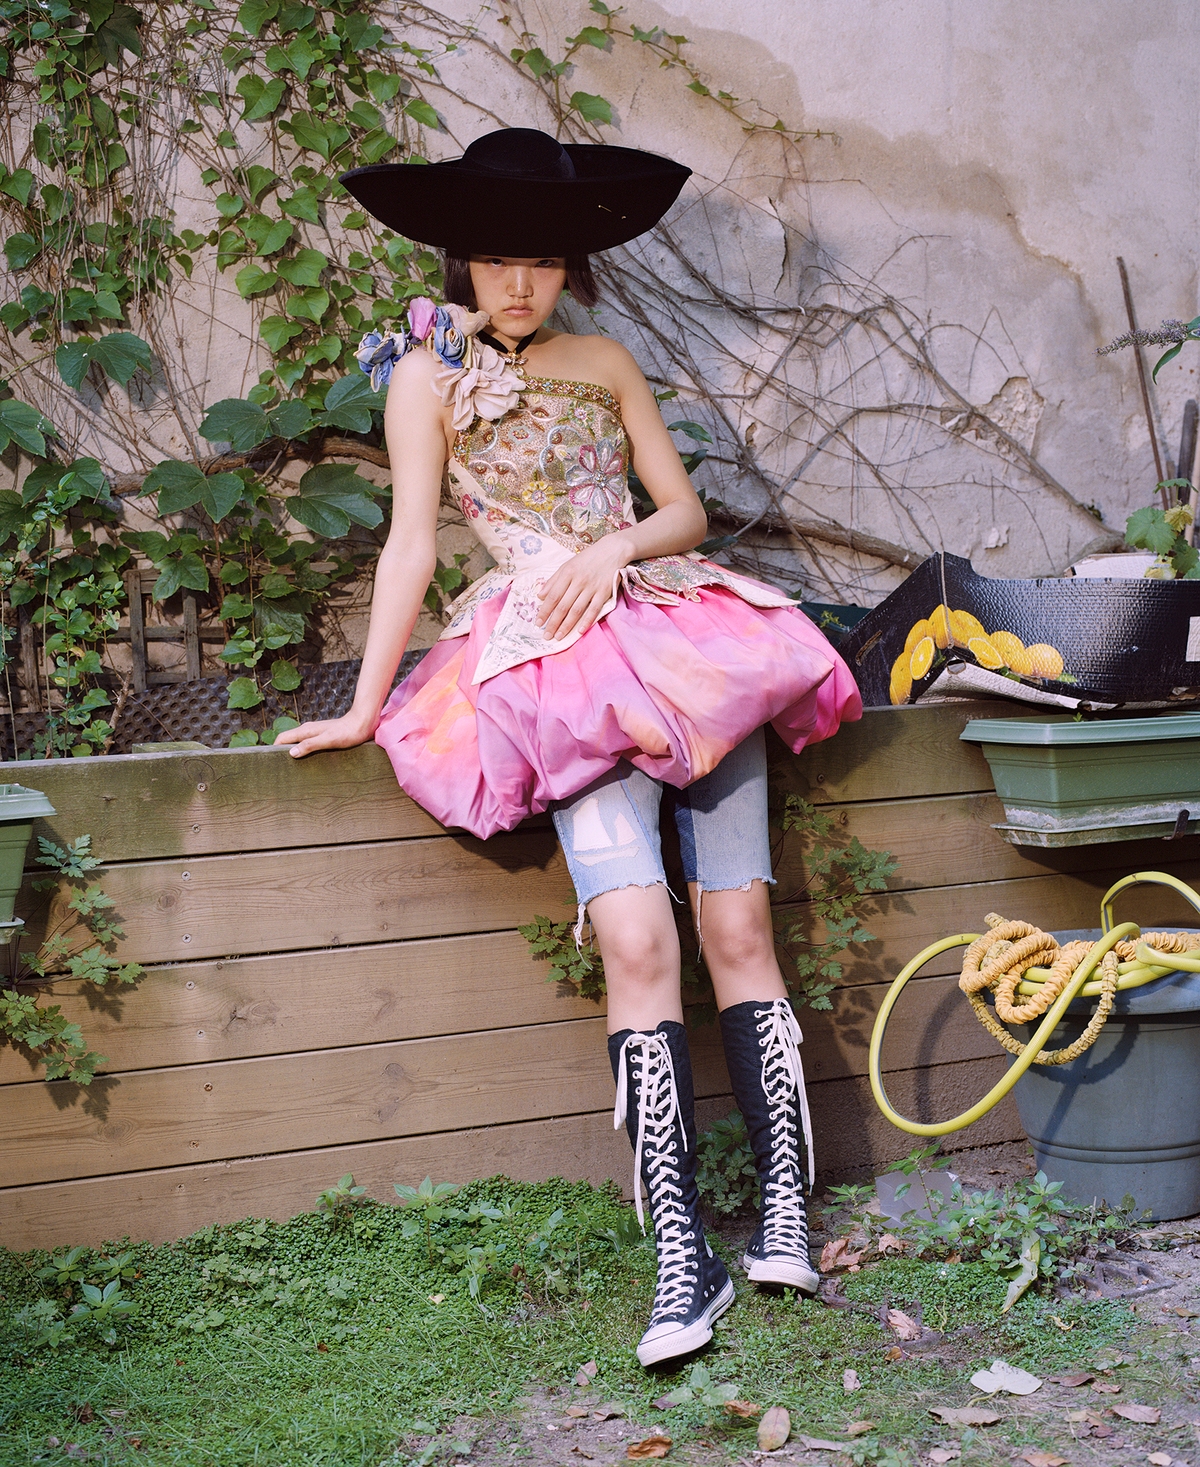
{"x": 610, "y": 834}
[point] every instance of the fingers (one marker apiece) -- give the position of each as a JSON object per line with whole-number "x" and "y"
{"x": 579, "y": 614}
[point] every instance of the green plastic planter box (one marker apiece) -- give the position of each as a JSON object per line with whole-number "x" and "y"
{"x": 19, "y": 807}
{"x": 1065, "y": 783}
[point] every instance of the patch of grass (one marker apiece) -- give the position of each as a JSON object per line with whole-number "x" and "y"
{"x": 353, "y": 1338}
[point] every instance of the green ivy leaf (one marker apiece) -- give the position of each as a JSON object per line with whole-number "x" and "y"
{"x": 221, "y": 494}
{"x": 258, "y": 180}
{"x": 233, "y": 420}
{"x": 260, "y": 98}
{"x": 1147, "y": 529}
{"x": 303, "y": 204}
{"x": 245, "y": 738}
{"x": 186, "y": 569}
{"x": 235, "y": 607}
{"x": 349, "y": 404}
{"x": 284, "y": 676}
{"x": 269, "y": 235}
{"x": 309, "y": 304}
{"x": 277, "y": 332}
{"x": 420, "y": 111}
{"x": 19, "y": 184}
{"x": 591, "y": 108}
{"x": 178, "y": 485}
{"x": 590, "y": 35}
{"x": 255, "y": 14}
{"x": 244, "y": 693}
{"x": 291, "y": 418}
{"x": 383, "y": 85}
{"x": 373, "y": 148}
{"x": 253, "y": 280}
{"x": 229, "y": 206}
{"x": 330, "y": 496}
{"x": 22, "y": 250}
{"x": 24, "y": 426}
{"x": 116, "y": 29}
{"x": 362, "y": 114}
{"x": 13, "y": 515}
{"x": 121, "y": 354}
{"x": 304, "y": 268}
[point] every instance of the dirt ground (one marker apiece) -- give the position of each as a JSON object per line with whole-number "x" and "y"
{"x": 572, "y": 1426}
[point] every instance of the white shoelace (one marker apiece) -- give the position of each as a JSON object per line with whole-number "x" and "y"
{"x": 783, "y": 1079}
{"x": 657, "y": 1144}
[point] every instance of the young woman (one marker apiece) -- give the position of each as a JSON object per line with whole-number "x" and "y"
{"x": 601, "y": 664}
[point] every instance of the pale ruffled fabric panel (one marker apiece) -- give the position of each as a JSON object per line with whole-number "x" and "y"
{"x": 670, "y": 688}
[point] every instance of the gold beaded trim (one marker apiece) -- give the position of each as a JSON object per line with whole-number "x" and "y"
{"x": 561, "y": 387}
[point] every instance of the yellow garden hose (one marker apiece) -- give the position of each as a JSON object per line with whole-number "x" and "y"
{"x": 996, "y": 960}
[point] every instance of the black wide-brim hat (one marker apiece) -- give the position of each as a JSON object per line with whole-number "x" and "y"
{"x": 521, "y": 192}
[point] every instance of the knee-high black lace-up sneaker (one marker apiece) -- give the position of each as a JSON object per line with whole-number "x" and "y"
{"x": 763, "y": 1057}
{"x": 654, "y": 1098}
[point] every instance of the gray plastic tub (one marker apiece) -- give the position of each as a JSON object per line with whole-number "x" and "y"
{"x": 1124, "y": 1118}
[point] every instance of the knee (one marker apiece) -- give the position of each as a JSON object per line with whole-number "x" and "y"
{"x": 640, "y": 955}
{"x": 735, "y": 940}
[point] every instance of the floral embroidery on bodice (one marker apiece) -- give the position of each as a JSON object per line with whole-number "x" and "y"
{"x": 541, "y": 483}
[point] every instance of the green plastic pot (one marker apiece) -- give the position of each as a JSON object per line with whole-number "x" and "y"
{"x": 19, "y": 808}
{"x": 1067, "y": 783}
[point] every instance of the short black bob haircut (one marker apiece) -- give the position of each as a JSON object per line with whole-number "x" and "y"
{"x": 460, "y": 292}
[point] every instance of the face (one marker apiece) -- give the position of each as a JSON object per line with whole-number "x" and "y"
{"x": 518, "y": 294}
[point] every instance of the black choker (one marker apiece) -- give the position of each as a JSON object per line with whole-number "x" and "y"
{"x": 512, "y": 353}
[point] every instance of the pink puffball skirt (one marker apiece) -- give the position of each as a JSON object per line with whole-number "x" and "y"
{"x": 669, "y": 688}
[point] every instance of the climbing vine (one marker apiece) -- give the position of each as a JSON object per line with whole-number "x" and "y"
{"x": 169, "y": 195}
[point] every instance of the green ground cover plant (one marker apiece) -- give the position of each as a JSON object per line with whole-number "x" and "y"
{"x": 363, "y": 1334}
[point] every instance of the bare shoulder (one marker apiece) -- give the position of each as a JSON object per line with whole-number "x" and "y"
{"x": 596, "y": 359}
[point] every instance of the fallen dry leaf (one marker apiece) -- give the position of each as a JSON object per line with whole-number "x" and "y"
{"x": 774, "y": 1429}
{"x": 1148, "y": 1415}
{"x": 860, "y": 1428}
{"x": 837, "y": 1254}
{"x": 84, "y": 1413}
{"x": 1102, "y": 1429}
{"x": 655, "y": 1445}
{"x": 819, "y": 1444}
{"x": 895, "y": 1353}
{"x": 610, "y": 1411}
{"x": 964, "y": 1415}
{"x": 889, "y": 1241}
{"x": 582, "y": 1453}
{"x": 850, "y": 1381}
{"x": 116, "y": 1413}
{"x": 664, "y": 1403}
{"x": 1159, "y": 1459}
{"x": 903, "y": 1324}
{"x": 1043, "y": 1459}
{"x": 585, "y": 1373}
{"x": 939, "y": 1455}
{"x": 1080, "y": 1378}
{"x": 1062, "y": 1323}
{"x": 576, "y": 1411}
{"x": 742, "y": 1408}
{"x": 323, "y": 1348}
{"x": 1106, "y": 1387}
{"x": 1001, "y": 1376}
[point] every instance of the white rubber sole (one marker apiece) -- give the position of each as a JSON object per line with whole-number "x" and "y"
{"x": 683, "y": 1341}
{"x": 780, "y": 1271}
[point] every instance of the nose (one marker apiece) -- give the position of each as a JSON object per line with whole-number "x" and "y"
{"x": 520, "y": 282}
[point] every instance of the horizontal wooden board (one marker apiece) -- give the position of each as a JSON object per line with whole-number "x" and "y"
{"x": 262, "y": 902}
{"x": 891, "y": 753}
{"x": 904, "y": 922}
{"x": 145, "y": 806}
{"x": 154, "y": 1118}
{"x": 234, "y": 1008}
{"x": 948, "y": 840}
{"x": 173, "y": 1202}
{"x": 851, "y": 1138}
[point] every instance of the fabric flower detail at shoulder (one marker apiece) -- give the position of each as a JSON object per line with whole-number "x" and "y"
{"x": 378, "y": 354}
{"x": 474, "y": 378}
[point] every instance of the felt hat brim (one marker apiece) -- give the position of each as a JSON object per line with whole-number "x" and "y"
{"x": 617, "y": 194}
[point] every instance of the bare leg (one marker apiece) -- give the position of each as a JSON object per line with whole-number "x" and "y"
{"x": 636, "y": 933}
{"x": 738, "y": 943}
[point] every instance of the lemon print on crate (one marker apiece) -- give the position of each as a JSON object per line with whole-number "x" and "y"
{"x": 998, "y": 651}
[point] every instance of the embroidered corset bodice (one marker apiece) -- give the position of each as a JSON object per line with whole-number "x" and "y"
{"x": 540, "y": 484}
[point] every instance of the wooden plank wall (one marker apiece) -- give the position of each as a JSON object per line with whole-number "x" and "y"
{"x": 335, "y": 983}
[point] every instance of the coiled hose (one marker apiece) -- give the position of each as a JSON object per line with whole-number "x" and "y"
{"x": 1016, "y": 959}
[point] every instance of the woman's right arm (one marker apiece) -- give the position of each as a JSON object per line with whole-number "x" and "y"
{"x": 415, "y": 427}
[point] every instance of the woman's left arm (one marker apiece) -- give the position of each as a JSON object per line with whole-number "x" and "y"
{"x": 575, "y": 595}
